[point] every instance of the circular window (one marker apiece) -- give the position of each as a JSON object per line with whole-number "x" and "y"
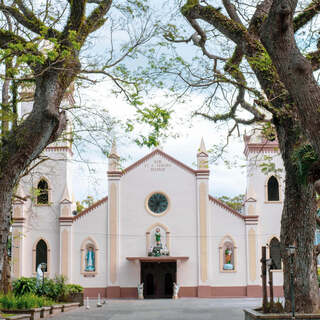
{"x": 157, "y": 203}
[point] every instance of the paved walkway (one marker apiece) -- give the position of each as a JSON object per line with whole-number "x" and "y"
{"x": 182, "y": 309}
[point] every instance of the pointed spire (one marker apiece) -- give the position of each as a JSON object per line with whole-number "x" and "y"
{"x": 20, "y": 193}
{"x": 202, "y": 147}
{"x": 66, "y": 196}
{"x": 202, "y": 157}
{"x": 113, "y": 157}
{"x": 251, "y": 194}
{"x": 113, "y": 151}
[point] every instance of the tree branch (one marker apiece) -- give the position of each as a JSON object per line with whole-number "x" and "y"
{"x": 76, "y": 17}
{"x": 314, "y": 59}
{"x": 307, "y": 15}
{"x": 96, "y": 19}
{"x": 231, "y": 29}
{"x": 200, "y": 42}
{"x": 29, "y": 20}
{"x": 232, "y": 12}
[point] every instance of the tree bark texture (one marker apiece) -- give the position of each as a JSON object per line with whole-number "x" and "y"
{"x": 293, "y": 68}
{"x": 299, "y": 211}
{"x": 5, "y": 285}
{"x": 298, "y": 225}
{"x": 24, "y": 143}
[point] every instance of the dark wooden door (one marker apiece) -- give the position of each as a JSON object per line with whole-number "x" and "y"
{"x": 158, "y": 278}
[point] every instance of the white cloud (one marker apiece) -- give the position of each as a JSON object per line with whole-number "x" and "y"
{"x": 223, "y": 181}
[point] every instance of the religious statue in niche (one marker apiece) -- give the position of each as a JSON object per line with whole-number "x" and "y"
{"x": 90, "y": 259}
{"x": 228, "y": 259}
{"x": 159, "y": 249}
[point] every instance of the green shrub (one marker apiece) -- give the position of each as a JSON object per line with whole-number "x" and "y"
{"x": 55, "y": 289}
{"x": 74, "y": 288}
{"x": 61, "y": 287}
{"x": 7, "y": 301}
{"x": 48, "y": 289}
{"x": 27, "y": 301}
{"x": 23, "y": 285}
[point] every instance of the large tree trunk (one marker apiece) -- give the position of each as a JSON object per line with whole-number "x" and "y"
{"x": 298, "y": 226}
{"x": 293, "y": 68}
{"x": 5, "y": 285}
{"x": 24, "y": 143}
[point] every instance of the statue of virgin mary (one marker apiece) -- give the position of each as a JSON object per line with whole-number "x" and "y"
{"x": 90, "y": 264}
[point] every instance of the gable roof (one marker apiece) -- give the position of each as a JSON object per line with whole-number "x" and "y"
{"x": 89, "y": 209}
{"x": 165, "y": 155}
{"x": 226, "y": 207}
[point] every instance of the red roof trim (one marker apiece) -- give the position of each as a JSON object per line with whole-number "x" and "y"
{"x": 86, "y": 211}
{"x": 225, "y": 206}
{"x": 165, "y": 155}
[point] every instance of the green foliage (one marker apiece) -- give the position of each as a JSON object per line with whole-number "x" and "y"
{"x": 235, "y": 203}
{"x": 86, "y": 203}
{"x": 74, "y": 288}
{"x": 57, "y": 288}
{"x": 189, "y": 4}
{"x": 24, "y": 285}
{"x": 157, "y": 118}
{"x": 268, "y": 166}
{"x": 304, "y": 157}
{"x": 54, "y": 289}
{"x": 26, "y": 301}
{"x": 268, "y": 131}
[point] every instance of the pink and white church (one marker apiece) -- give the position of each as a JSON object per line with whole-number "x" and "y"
{"x": 158, "y": 225}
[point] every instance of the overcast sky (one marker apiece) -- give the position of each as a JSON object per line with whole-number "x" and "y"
{"x": 223, "y": 181}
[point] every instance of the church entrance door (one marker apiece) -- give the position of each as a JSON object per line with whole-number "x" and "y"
{"x": 158, "y": 278}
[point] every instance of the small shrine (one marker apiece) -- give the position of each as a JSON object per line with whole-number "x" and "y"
{"x": 158, "y": 249}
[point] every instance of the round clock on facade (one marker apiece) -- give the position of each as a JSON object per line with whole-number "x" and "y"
{"x": 157, "y": 203}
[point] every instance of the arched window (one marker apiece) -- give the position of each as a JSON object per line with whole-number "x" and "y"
{"x": 273, "y": 189}
{"x": 275, "y": 253}
{"x": 43, "y": 192}
{"x": 41, "y": 254}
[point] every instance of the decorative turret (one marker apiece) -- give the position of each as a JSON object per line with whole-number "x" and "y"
{"x": 18, "y": 203}
{"x": 202, "y": 157}
{"x": 65, "y": 203}
{"x": 114, "y": 158}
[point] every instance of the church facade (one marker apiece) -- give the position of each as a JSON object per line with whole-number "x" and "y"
{"x": 158, "y": 226}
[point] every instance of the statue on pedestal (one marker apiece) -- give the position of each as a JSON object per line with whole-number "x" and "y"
{"x": 158, "y": 237}
{"x": 228, "y": 256}
{"x": 140, "y": 291}
{"x": 39, "y": 276}
{"x": 176, "y": 288}
{"x": 90, "y": 263}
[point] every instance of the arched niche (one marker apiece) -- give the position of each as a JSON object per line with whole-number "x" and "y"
{"x": 228, "y": 252}
{"x": 89, "y": 257}
{"x": 165, "y": 234}
{"x": 275, "y": 254}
